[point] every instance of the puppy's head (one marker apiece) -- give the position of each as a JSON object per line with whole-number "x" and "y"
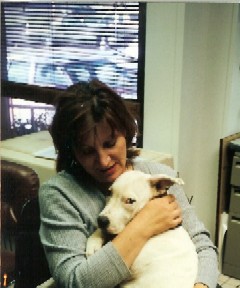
{"x": 129, "y": 193}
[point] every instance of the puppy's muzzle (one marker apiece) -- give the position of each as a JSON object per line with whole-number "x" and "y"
{"x": 103, "y": 222}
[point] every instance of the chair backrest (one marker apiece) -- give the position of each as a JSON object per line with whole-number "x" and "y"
{"x": 31, "y": 264}
{"x": 19, "y": 183}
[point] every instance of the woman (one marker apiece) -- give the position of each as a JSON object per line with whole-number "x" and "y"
{"x": 92, "y": 131}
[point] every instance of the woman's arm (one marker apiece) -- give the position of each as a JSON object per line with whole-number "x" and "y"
{"x": 65, "y": 228}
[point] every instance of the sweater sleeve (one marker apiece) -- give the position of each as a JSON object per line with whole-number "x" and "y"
{"x": 64, "y": 231}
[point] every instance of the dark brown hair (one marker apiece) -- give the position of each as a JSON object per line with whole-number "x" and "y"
{"x": 79, "y": 109}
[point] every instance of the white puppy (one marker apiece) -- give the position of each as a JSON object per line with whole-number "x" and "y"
{"x": 168, "y": 260}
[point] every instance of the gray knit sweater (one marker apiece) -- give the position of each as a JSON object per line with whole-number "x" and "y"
{"x": 69, "y": 211}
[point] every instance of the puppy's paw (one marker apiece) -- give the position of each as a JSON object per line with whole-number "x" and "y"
{"x": 94, "y": 243}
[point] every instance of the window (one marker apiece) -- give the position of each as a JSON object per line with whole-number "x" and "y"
{"x": 57, "y": 44}
{"x": 54, "y": 44}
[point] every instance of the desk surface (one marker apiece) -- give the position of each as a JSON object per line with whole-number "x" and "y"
{"x": 28, "y": 144}
{"x": 21, "y": 150}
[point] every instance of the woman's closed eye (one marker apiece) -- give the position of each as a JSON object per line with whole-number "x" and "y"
{"x": 87, "y": 151}
{"x": 109, "y": 144}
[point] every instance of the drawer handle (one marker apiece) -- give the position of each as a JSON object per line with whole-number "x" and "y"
{"x": 236, "y": 219}
{"x": 237, "y": 191}
{"x": 237, "y": 165}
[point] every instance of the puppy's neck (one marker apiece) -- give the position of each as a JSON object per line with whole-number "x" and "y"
{"x": 107, "y": 236}
{"x": 161, "y": 195}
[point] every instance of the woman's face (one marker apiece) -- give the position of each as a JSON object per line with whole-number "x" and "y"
{"x": 103, "y": 153}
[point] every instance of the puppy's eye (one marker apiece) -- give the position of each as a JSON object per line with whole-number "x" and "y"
{"x": 158, "y": 186}
{"x": 129, "y": 201}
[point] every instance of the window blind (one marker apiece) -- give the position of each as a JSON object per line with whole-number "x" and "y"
{"x": 56, "y": 44}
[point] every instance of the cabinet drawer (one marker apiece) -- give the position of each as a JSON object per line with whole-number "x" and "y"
{"x": 231, "y": 263}
{"x": 235, "y": 175}
{"x": 235, "y": 201}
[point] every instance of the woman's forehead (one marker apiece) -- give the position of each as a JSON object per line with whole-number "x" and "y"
{"x": 102, "y": 131}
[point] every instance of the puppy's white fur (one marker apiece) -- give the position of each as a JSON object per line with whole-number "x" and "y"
{"x": 168, "y": 260}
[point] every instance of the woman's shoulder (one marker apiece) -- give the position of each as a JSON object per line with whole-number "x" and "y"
{"x": 59, "y": 184}
{"x": 65, "y": 186}
{"x": 153, "y": 167}
{"x": 68, "y": 184}
{"x": 59, "y": 179}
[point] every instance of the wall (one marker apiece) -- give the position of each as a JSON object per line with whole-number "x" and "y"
{"x": 231, "y": 122}
{"x": 163, "y": 66}
{"x": 192, "y": 91}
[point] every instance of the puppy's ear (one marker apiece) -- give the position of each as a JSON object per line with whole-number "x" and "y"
{"x": 161, "y": 184}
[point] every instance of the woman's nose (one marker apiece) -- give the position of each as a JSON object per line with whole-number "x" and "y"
{"x": 103, "y": 158}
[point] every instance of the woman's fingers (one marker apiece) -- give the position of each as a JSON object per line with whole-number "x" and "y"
{"x": 161, "y": 214}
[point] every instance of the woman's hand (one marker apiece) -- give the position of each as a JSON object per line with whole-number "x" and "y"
{"x": 200, "y": 285}
{"x": 160, "y": 215}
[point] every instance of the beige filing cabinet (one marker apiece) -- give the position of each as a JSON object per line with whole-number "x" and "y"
{"x": 231, "y": 258}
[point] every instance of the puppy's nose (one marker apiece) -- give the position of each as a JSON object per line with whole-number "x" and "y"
{"x": 103, "y": 222}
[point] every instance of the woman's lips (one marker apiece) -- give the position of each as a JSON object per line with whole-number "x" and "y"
{"x": 109, "y": 171}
